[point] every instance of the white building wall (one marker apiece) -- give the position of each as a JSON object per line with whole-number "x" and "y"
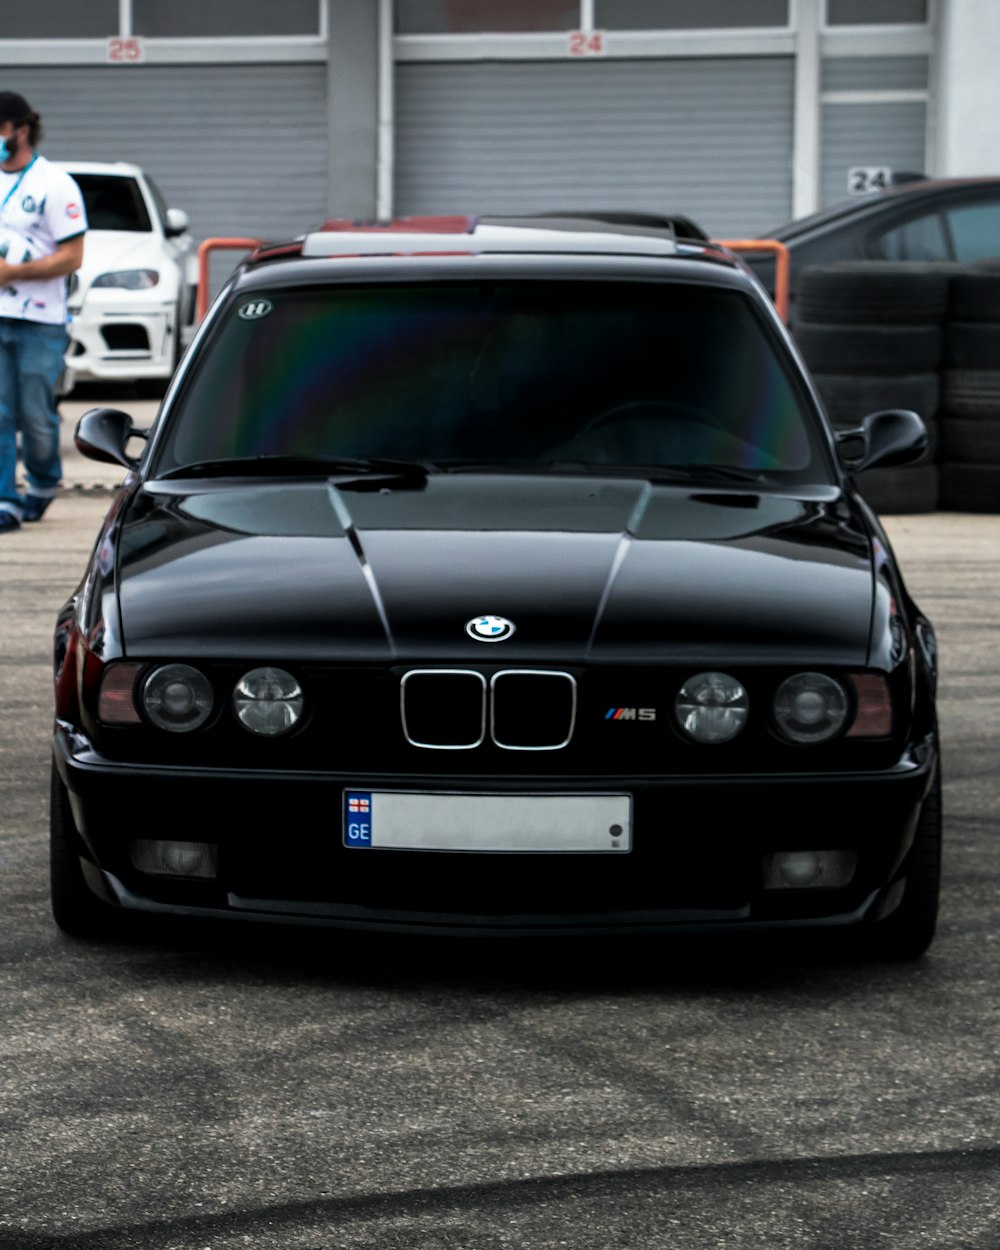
{"x": 968, "y": 95}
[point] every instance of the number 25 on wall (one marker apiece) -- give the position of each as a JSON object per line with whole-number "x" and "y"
{"x": 126, "y": 51}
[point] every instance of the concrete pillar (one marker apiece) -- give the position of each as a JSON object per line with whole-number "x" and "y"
{"x": 352, "y": 104}
{"x": 968, "y": 88}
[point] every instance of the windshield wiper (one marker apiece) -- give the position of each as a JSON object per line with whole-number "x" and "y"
{"x": 327, "y": 466}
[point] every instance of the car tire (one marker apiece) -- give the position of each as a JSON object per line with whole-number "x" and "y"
{"x": 970, "y": 487}
{"x": 965, "y": 440}
{"x": 75, "y": 907}
{"x": 873, "y": 293}
{"x": 908, "y": 932}
{"x": 975, "y": 296}
{"x": 972, "y": 345}
{"x": 971, "y": 392}
{"x": 906, "y": 491}
{"x": 849, "y": 397}
{"x": 878, "y": 350}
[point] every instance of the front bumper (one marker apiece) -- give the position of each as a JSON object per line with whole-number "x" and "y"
{"x": 118, "y": 335}
{"x": 695, "y": 864}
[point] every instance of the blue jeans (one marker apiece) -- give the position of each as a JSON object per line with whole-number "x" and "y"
{"x": 31, "y": 360}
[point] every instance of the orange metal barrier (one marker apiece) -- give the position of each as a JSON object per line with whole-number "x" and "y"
{"x": 782, "y": 265}
{"x": 215, "y": 245}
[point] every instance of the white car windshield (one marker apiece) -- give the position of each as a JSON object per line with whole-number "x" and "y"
{"x": 113, "y": 202}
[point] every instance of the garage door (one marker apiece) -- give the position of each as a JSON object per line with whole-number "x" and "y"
{"x": 710, "y": 138}
{"x": 887, "y": 129}
{"x": 242, "y": 148}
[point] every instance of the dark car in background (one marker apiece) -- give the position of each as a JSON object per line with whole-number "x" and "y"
{"x": 496, "y": 579}
{"x": 941, "y": 220}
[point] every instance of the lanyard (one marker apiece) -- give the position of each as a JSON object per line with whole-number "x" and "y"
{"x": 18, "y": 183}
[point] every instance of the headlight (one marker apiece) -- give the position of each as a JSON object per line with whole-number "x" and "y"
{"x": 268, "y": 701}
{"x": 810, "y": 707}
{"x": 130, "y": 279}
{"x": 712, "y": 707}
{"x": 177, "y": 698}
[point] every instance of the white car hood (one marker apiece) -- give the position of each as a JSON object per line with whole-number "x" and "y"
{"x": 107, "y": 251}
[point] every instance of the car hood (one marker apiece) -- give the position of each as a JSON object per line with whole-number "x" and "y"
{"x": 105, "y": 251}
{"x": 586, "y": 569}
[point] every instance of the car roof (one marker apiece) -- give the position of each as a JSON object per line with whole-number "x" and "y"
{"x": 120, "y": 168}
{"x": 455, "y": 244}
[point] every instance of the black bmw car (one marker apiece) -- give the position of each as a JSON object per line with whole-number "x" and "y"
{"x": 496, "y": 579}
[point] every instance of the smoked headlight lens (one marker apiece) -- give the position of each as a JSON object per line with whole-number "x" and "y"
{"x": 268, "y": 701}
{"x": 712, "y": 707}
{"x": 177, "y": 698}
{"x": 130, "y": 279}
{"x": 810, "y": 707}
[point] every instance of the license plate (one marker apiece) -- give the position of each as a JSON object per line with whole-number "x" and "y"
{"x": 581, "y": 824}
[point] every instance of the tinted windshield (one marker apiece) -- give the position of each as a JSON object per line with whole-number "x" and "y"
{"x": 598, "y": 373}
{"x": 114, "y": 202}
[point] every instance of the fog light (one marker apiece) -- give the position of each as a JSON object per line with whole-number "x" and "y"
{"x": 805, "y": 870}
{"x": 176, "y": 859}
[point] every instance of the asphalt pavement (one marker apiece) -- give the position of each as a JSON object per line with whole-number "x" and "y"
{"x": 195, "y": 1090}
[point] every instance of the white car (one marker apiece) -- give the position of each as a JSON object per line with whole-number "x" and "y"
{"x": 132, "y": 304}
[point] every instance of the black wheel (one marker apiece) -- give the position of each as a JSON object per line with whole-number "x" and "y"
{"x": 75, "y": 908}
{"x": 908, "y": 932}
{"x": 849, "y": 397}
{"x": 873, "y": 292}
{"x": 869, "y": 349}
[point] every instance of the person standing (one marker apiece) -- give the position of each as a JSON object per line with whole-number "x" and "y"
{"x": 42, "y": 224}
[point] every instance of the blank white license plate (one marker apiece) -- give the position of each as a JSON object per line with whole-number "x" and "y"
{"x": 521, "y": 823}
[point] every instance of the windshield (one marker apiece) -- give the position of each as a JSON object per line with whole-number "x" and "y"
{"x": 113, "y": 202}
{"x": 518, "y": 374}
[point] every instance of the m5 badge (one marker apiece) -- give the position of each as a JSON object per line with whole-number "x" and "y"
{"x": 631, "y": 713}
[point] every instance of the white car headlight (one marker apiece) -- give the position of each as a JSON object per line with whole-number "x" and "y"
{"x": 268, "y": 701}
{"x": 810, "y": 707}
{"x": 129, "y": 279}
{"x": 177, "y": 698}
{"x": 712, "y": 707}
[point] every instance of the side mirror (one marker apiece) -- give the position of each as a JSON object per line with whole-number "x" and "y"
{"x": 893, "y": 437}
{"x": 177, "y": 222}
{"x": 103, "y": 434}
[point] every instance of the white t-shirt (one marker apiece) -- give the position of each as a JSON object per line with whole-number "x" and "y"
{"x": 40, "y": 207}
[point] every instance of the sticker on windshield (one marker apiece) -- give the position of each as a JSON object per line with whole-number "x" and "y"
{"x": 255, "y": 309}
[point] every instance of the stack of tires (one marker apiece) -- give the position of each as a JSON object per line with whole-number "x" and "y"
{"x": 872, "y": 334}
{"x": 970, "y": 397}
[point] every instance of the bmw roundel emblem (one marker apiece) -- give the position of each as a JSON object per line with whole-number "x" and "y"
{"x": 489, "y": 628}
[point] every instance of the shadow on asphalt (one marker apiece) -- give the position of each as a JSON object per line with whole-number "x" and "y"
{"x": 702, "y": 964}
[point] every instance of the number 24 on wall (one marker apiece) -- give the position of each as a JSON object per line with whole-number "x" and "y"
{"x": 586, "y": 43}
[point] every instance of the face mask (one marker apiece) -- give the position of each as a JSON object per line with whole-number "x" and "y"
{"x": 8, "y": 147}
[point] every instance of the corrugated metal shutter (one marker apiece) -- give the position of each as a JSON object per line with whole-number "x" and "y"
{"x": 241, "y": 148}
{"x": 892, "y": 134}
{"x": 876, "y": 73}
{"x": 710, "y": 138}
